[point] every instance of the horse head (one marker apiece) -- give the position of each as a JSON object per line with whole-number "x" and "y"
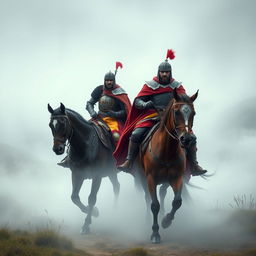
{"x": 183, "y": 112}
{"x": 61, "y": 128}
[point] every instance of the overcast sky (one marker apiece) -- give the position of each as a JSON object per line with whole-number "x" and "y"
{"x": 58, "y": 51}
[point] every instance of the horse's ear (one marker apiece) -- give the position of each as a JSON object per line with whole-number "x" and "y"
{"x": 175, "y": 94}
{"x": 50, "y": 109}
{"x": 62, "y": 108}
{"x": 193, "y": 97}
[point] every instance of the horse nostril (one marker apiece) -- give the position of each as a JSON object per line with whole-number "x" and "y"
{"x": 182, "y": 138}
{"x": 61, "y": 148}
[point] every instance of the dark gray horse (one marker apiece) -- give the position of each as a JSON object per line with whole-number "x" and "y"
{"x": 88, "y": 157}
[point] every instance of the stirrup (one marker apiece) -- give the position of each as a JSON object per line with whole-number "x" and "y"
{"x": 64, "y": 163}
{"x": 126, "y": 166}
{"x": 198, "y": 172}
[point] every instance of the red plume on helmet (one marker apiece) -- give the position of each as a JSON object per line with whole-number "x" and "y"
{"x": 170, "y": 55}
{"x": 118, "y": 65}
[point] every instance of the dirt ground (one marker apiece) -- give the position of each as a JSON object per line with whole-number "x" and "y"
{"x": 105, "y": 245}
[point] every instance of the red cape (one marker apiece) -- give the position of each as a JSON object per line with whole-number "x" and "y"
{"x": 135, "y": 116}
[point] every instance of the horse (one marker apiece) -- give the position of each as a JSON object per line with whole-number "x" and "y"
{"x": 163, "y": 161}
{"x": 88, "y": 157}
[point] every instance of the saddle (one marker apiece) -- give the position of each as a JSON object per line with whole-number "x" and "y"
{"x": 104, "y": 133}
{"x": 148, "y": 137}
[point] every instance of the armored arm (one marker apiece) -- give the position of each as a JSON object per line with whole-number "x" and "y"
{"x": 90, "y": 107}
{"x": 143, "y": 103}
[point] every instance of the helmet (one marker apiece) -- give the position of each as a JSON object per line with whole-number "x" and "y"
{"x": 110, "y": 76}
{"x": 164, "y": 66}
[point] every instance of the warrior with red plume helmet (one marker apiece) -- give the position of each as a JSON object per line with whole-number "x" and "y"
{"x": 113, "y": 104}
{"x": 155, "y": 94}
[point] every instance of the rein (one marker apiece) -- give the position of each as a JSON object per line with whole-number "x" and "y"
{"x": 174, "y": 134}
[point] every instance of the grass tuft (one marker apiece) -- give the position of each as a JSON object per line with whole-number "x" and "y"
{"x": 50, "y": 238}
{"x": 136, "y": 252}
{"x": 4, "y": 234}
{"x": 244, "y": 202}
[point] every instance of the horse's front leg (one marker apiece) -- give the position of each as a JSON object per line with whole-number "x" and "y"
{"x": 77, "y": 181}
{"x": 155, "y": 207}
{"x": 176, "y": 203}
{"x": 91, "y": 202}
{"x": 162, "y": 194}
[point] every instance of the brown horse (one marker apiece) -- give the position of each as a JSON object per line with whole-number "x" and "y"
{"x": 164, "y": 160}
{"x": 89, "y": 158}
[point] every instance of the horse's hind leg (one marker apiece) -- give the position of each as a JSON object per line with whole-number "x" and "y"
{"x": 115, "y": 184}
{"x": 176, "y": 203}
{"x": 155, "y": 207}
{"x": 91, "y": 202}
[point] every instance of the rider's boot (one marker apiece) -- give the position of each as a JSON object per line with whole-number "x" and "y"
{"x": 192, "y": 158}
{"x": 133, "y": 150}
{"x": 65, "y": 162}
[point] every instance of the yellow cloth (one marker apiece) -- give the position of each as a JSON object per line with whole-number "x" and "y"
{"x": 111, "y": 123}
{"x": 151, "y": 115}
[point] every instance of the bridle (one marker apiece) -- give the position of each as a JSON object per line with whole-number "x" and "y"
{"x": 174, "y": 133}
{"x": 66, "y": 140}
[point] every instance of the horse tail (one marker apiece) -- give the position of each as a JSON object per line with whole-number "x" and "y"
{"x": 185, "y": 193}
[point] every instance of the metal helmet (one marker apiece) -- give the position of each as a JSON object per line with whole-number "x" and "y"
{"x": 164, "y": 66}
{"x": 110, "y": 76}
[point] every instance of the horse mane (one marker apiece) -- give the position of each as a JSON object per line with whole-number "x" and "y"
{"x": 77, "y": 115}
{"x": 166, "y": 114}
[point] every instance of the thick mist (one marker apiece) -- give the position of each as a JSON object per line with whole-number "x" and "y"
{"x": 59, "y": 51}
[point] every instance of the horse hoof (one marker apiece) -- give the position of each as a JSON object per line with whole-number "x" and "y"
{"x": 95, "y": 212}
{"x": 155, "y": 239}
{"x": 167, "y": 221}
{"x": 85, "y": 231}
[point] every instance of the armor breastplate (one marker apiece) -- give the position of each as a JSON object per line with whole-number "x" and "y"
{"x": 106, "y": 103}
{"x": 162, "y": 99}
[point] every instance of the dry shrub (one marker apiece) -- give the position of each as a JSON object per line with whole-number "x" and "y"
{"x": 136, "y": 252}
{"x": 49, "y": 238}
{"x": 4, "y": 234}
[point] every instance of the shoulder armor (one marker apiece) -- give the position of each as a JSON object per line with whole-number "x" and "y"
{"x": 118, "y": 91}
{"x": 175, "y": 84}
{"x": 96, "y": 94}
{"x": 155, "y": 85}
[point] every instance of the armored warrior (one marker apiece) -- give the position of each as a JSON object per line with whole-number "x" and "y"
{"x": 113, "y": 103}
{"x": 155, "y": 94}
{"x": 114, "y": 106}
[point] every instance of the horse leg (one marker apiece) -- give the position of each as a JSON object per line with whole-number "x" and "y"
{"x": 91, "y": 202}
{"x": 155, "y": 207}
{"x": 162, "y": 194}
{"x": 115, "y": 184}
{"x": 147, "y": 197}
{"x": 77, "y": 181}
{"x": 176, "y": 203}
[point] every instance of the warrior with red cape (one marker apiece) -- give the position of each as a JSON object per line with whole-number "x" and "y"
{"x": 155, "y": 94}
